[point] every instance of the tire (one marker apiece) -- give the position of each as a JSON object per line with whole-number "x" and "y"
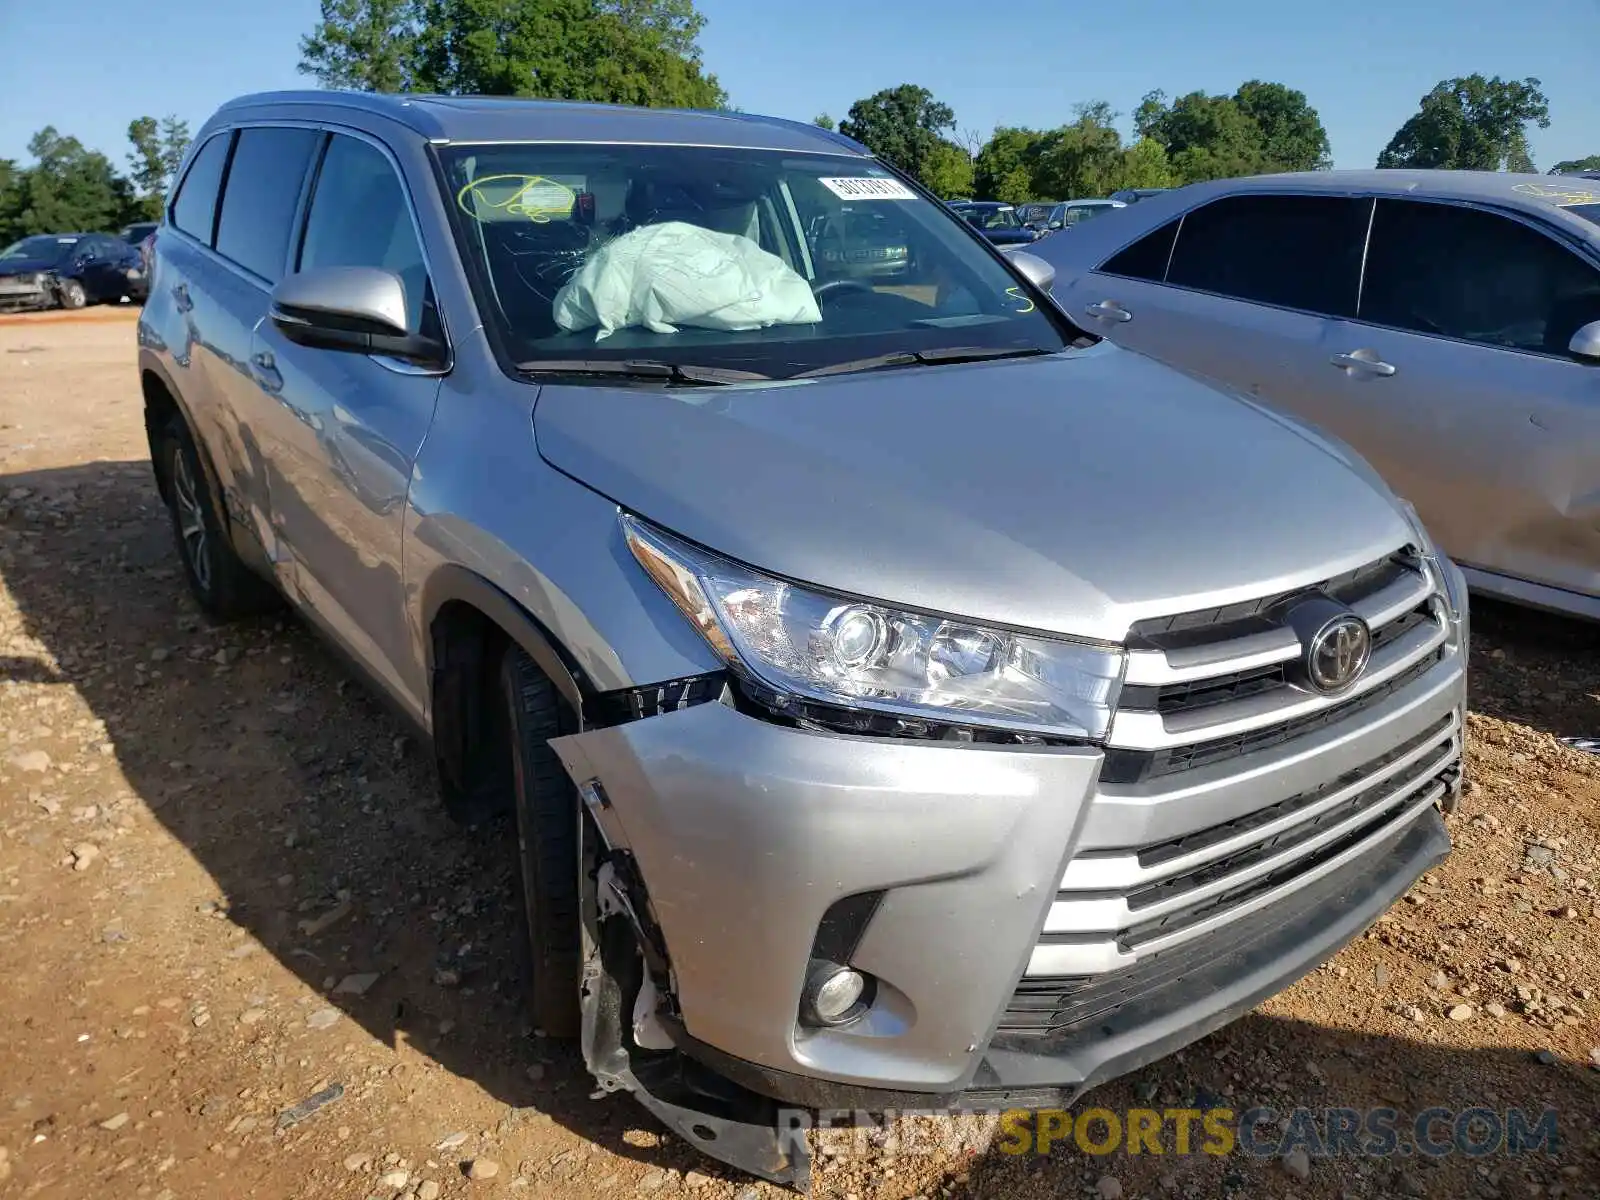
{"x": 70, "y": 294}
{"x": 546, "y": 806}
{"x": 218, "y": 579}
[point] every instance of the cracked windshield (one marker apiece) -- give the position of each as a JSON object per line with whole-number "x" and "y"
{"x": 752, "y": 260}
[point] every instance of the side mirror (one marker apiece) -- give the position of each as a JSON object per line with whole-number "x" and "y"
{"x": 1037, "y": 272}
{"x": 357, "y": 309}
{"x": 1585, "y": 344}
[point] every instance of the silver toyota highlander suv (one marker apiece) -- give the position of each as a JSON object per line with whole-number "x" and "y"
{"x": 904, "y": 697}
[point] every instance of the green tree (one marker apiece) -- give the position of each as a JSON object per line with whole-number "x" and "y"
{"x": 10, "y": 201}
{"x": 1005, "y": 164}
{"x": 1471, "y": 124}
{"x": 1142, "y": 165}
{"x": 1079, "y": 159}
{"x": 1261, "y": 127}
{"x": 67, "y": 188}
{"x": 1292, "y": 136}
{"x": 158, "y": 150}
{"x": 1592, "y": 163}
{"x": 948, "y": 171}
{"x": 902, "y": 125}
{"x": 640, "y": 52}
{"x": 823, "y": 121}
{"x": 368, "y": 45}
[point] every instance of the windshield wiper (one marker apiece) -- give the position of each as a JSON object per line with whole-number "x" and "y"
{"x": 640, "y": 368}
{"x": 909, "y": 358}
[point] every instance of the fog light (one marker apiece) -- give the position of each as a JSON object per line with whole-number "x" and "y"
{"x": 834, "y": 995}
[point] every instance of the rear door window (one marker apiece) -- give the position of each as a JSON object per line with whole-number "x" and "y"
{"x": 1301, "y": 252}
{"x": 195, "y": 208}
{"x": 1147, "y": 258}
{"x": 1459, "y": 272}
{"x": 261, "y": 193}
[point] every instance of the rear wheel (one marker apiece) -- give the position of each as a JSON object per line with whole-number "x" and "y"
{"x": 547, "y": 840}
{"x": 218, "y": 579}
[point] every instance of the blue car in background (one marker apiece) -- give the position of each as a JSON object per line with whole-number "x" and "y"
{"x": 70, "y": 270}
{"x": 997, "y": 222}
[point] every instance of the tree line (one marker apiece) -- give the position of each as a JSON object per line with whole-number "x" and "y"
{"x": 1470, "y": 123}
{"x": 69, "y": 187}
{"x": 647, "y": 52}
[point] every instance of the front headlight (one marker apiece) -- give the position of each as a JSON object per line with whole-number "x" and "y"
{"x": 803, "y": 644}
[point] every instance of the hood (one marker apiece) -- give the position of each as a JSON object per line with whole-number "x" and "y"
{"x": 1076, "y": 493}
{"x": 25, "y": 266}
{"x": 1007, "y": 236}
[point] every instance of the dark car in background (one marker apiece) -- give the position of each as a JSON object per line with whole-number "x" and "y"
{"x": 136, "y": 233}
{"x": 1043, "y": 215}
{"x": 997, "y": 222}
{"x": 1063, "y": 214}
{"x": 861, "y": 245}
{"x": 69, "y": 270}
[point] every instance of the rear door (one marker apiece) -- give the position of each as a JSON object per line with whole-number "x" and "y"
{"x": 260, "y": 194}
{"x": 1240, "y": 290}
{"x": 1456, "y": 383}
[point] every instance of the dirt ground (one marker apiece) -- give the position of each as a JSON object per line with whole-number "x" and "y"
{"x": 226, "y": 887}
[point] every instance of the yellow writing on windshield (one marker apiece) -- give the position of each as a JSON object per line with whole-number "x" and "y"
{"x": 1560, "y": 193}
{"x": 533, "y": 197}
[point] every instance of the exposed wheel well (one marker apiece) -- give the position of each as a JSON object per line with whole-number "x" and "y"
{"x": 469, "y": 728}
{"x": 159, "y": 408}
{"x": 471, "y": 732}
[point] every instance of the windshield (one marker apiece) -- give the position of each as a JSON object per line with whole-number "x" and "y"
{"x": 757, "y": 261}
{"x": 1084, "y": 212}
{"x": 1590, "y": 212}
{"x": 42, "y": 246}
{"x": 1029, "y": 213}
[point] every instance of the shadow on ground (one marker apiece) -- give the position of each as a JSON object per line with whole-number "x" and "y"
{"x": 293, "y": 788}
{"x": 302, "y": 798}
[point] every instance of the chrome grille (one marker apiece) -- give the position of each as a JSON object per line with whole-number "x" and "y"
{"x": 1240, "y": 679}
{"x": 1214, "y": 720}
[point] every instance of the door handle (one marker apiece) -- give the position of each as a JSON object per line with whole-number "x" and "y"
{"x": 1109, "y": 310}
{"x": 266, "y": 370}
{"x": 1366, "y": 362}
{"x": 180, "y": 293}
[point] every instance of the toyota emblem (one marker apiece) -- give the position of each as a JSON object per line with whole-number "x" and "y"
{"x": 1338, "y": 653}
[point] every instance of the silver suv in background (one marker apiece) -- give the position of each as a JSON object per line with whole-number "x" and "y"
{"x": 1446, "y": 324}
{"x": 902, "y": 696}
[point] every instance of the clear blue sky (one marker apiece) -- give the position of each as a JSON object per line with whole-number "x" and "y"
{"x": 1364, "y": 64}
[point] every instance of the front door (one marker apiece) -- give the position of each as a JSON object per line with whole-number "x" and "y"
{"x": 1240, "y": 291}
{"x": 350, "y": 425}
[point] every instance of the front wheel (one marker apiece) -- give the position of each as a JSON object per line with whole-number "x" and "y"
{"x": 70, "y": 294}
{"x": 547, "y": 840}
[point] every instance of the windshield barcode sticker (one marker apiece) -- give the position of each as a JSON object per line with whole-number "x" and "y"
{"x": 867, "y": 187}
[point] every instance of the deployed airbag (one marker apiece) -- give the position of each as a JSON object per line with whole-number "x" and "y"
{"x": 663, "y": 276}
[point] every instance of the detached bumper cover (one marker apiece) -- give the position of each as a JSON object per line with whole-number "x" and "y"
{"x": 746, "y": 832}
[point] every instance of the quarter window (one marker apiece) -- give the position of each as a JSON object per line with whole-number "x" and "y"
{"x": 262, "y": 190}
{"x": 195, "y": 208}
{"x": 359, "y": 218}
{"x": 1460, "y": 272}
{"x": 1145, "y": 259}
{"x": 1299, "y": 252}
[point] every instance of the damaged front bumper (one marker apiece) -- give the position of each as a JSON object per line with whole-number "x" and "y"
{"x": 937, "y": 868}
{"x": 19, "y": 293}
